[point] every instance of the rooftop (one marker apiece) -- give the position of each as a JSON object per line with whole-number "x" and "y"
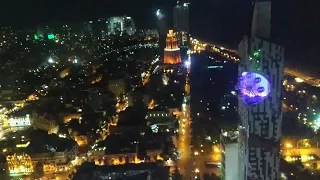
{"x": 129, "y": 144}
{"x": 41, "y": 142}
{"x": 90, "y": 171}
{"x": 230, "y": 136}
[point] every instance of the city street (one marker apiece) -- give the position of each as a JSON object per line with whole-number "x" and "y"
{"x": 184, "y": 140}
{"x": 200, "y": 163}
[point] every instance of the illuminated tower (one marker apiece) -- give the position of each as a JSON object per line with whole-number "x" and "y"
{"x": 260, "y": 83}
{"x": 172, "y": 51}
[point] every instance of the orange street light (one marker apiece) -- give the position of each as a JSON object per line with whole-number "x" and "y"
{"x": 216, "y": 149}
{"x": 288, "y": 145}
{"x": 196, "y": 170}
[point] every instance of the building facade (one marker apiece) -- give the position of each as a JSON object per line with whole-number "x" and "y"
{"x": 121, "y": 25}
{"x": 229, "y": 155}
{"x": 161, "y": 121}
{"x": 260, "y": 130}
{"x": 44, "y": 122}
{"x": 23, "y": 121}
{"x": 101, "y": 159}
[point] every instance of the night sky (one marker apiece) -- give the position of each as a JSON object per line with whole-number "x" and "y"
{"x": 296, "y": 23}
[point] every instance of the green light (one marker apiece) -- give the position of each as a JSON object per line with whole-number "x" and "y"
{"x": 256, "y": 54}
{"x": 36, "y": 37}
{"x": 51, "y": 36}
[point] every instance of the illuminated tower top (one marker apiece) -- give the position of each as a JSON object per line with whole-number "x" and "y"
{"x": 261, "y": 22}
{"x": 172, "y": 51}
{"x": 171, "y": 41}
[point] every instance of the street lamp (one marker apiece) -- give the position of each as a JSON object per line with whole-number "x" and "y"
{"x": 288, "y": 145}
{"x": 196, "y": 170}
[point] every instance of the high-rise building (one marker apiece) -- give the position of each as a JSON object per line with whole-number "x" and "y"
{"x": 96, "y": 27}
{"x": 172, "y": 51}
{"x": 181, "y": 23}
{"x": 260, "y": 82}
{"x": 121, "y": 25}
{"x": 229, "y": 155}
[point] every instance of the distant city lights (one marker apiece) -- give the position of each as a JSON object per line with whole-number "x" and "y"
{"x": 299, "y": 80}
{"x": 51, "y": 36}
{"x": 20, "y": 121}
{"x": 36, "y": 37}
{"x": 316, "y": 123}
{"x": 50, "y": 60}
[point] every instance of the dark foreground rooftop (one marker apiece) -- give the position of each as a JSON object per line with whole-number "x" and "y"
{"x": 143, "y": 171}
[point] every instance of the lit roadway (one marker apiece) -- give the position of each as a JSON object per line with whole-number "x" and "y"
{"x": 184, "y": 140}
{"x": 307, "y": 79}
{"x": 151, "y": 70}
{"x": 230, "y": 54}
{"x": 188, "y": 167}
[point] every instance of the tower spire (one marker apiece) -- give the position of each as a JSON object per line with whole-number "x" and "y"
{"x": 261, "y": 21}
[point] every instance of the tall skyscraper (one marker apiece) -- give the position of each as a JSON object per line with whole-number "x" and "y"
{"x": 229, "y": 155}
{"x": 260, "y": 83}
{"x": 172, "y": 51}
{"x": 181, "y": 23}
{"x": 121, "y": 25}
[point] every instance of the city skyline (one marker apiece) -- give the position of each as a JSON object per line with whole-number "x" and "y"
{"x": 301, "y": 16}
{"x": 156, "y": 90}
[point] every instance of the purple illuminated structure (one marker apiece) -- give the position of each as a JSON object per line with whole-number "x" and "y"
{"x": 253, "y": 88}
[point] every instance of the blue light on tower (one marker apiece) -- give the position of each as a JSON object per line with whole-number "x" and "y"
{"x": 253, "y": 88}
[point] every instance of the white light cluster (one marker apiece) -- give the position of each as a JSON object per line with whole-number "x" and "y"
{"x": 20, "y": 121}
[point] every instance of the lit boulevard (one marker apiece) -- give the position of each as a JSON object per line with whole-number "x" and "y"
{"x": 151, "y": 70}
{"x": 184, "y": 140}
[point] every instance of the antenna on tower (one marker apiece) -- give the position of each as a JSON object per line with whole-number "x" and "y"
{"x": 250, "y": 20}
